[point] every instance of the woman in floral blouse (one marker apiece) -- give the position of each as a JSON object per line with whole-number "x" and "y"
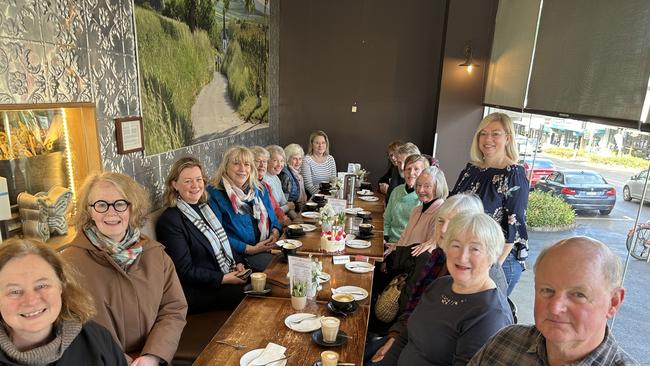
{"x": 494, "y": 175}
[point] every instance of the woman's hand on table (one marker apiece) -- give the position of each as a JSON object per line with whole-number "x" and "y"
{"x": 383, "y": 350}
{"x": 383, "y": 188}
{"x": 146, "y": 360}
{"x": 275, "y": 235}
{"x": 291, "y": 205}
{"x": 232, "y": 278}
{"x": 262, "y": 246}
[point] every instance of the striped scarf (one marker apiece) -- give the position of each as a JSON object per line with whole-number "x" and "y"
{"x": 213, "y": 231}
{"x": 123, "y": 253}
{"x": 240, "y": 204}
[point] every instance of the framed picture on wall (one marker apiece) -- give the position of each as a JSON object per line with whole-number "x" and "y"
{"x": 129, "y": 134}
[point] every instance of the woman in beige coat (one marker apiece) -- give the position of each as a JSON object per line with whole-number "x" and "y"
{"x": 136, "y": 290}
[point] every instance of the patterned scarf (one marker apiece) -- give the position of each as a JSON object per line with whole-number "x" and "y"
{"x": 239, "y": 201}
{"x": 301, "y": 184}
{"x": 46, "y": 354}
{"x": 123, "y": 253}
{"x": 213, "y": 231}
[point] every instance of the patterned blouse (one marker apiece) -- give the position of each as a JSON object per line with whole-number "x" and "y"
{"x": 504, "y": 193}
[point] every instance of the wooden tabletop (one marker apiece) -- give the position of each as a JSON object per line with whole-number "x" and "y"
{"x": 311, "y": 240}
{"x": 258, "y": 321}
{"x": 276, "y": 273}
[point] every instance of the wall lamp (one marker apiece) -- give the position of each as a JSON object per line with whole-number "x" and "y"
{"x": 469, "y": 61}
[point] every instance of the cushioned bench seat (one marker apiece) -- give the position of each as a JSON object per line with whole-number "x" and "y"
{"x": 197, "y": 334}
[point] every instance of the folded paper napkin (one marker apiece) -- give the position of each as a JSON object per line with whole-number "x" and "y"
{"x": 271, "y": 353}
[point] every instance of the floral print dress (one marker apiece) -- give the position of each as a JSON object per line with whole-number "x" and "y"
{"x": 504, "y": 193}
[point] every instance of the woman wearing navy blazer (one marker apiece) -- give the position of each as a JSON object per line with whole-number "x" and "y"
{"x": 193, "y": 237}
{"x": 245, "y": 208}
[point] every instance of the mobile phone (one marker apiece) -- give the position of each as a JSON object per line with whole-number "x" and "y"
{"x": 244, "y": 275}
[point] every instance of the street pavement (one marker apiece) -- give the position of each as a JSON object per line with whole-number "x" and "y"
{"x": 631, "y": 324}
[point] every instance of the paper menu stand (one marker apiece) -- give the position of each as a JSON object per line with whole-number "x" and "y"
{"x": 337, "y": 204}
{"x": 354, "y": 167}
{"x": 300, "y": 271}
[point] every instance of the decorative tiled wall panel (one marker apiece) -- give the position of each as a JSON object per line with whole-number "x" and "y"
{"x": 59, "y": 51}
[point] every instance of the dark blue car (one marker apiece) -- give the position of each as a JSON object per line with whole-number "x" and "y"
{"x": 582, "y": 189}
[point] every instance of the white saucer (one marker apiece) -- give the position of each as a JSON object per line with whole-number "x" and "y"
{"x": 305, "y": 326}
{"x": 282, "y": 242}
{"x": 324, "y": 277}
{"x": 365, "y": 192}
{"x": 353, "y": 210}
{"x": 358, "y": 244}
{"x": 359, "y": 267}
{"x": 250, "y": 356}
{"x": 369, "y": 198}
{"x": 310, "y": 215}
{"x": 308, "y": 227}
{"x": 355, "y": 289}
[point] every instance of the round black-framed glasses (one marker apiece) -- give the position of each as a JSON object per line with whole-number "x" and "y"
{"x": 101, "y": 206}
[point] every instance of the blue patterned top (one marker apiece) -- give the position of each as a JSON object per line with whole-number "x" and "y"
{"x": 504, "y": 193}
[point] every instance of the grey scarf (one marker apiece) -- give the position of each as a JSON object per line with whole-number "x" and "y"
{"x": 45, "y": 354}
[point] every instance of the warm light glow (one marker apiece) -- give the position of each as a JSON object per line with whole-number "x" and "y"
{"x": 469, "y": 69}
{"x": 68, "y": 156}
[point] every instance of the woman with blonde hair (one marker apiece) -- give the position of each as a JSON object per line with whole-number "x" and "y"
{"x": 293, "y": 185}
{"x": 318, "y": 165}
{"x": 245, "y": 208}
{"x": 208, "y": 268}
{"x": 137, "y": 293}
{"x": 276, "y": 164}
{"x": 494, "y": 175}
{"x": 37, "y": 283}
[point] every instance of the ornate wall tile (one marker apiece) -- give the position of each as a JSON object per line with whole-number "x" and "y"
{"x": 62, "y": 23}
{"x": 23, "y": 80}
{"x": 132, "y": 90}
{"x": 104, "y": 25}
{"x": 68, "y": 74}
{"x": 19, "y": 19}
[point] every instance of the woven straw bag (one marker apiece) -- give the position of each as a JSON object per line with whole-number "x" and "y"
{"x": 387, "y": 303}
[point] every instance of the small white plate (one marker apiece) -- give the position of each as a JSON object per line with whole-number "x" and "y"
{"x": 250, "y": 356}
{"x": 354, "y": 290}
{"x": 324, "y": 277}
{"x": 359, "y": 267}
{"x": 369, "y": 198}
{"x": 358, "y": 244}
{"x": 308, "y": 227}
{"x": 365, "y": 192}
{"x": 310, "y": 215}
{"x": 282, "y": 242}
{"x": 304, "y": 326}
{"x": 353, "y": 210}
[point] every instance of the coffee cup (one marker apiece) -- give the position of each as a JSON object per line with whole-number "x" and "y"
{"x": 318, "y": 197}
{"x": 258, "y": 281}
{"x": 289, "y": 249}
{"x": 295, "y": 230}
{"x": 330, "y": 328}
{"x": 366, "y": 185}
{"x": 365, "y": 229}
{"x": 329, "y": 358}
{"x": 311, "y": 206}
{"x": 343, "y": 301}
{"x": 325, "y": 186}
{"x": 364, "y": 214}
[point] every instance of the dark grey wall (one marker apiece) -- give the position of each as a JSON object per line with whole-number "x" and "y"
{"x": 382, "y": 55}
{"x": 461, "y": 94}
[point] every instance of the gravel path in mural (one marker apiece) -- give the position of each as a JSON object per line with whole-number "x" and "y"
{"x": 213, "y": 114}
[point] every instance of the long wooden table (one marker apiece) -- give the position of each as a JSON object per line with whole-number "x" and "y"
{"x": 258, "y": 321}
{"x": 277, "y": 270}
{"x": 311, "y": 240}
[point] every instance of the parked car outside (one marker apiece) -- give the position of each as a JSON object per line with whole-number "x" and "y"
{"x": 633, "y": 188}
{"x": 582, "y": 189}
{"x": 538, "y": 169}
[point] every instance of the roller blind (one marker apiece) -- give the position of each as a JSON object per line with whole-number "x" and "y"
{"x": 592, "y": 58}
{"x": 512, "y": 50}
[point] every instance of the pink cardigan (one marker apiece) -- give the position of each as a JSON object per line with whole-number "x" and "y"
{"x": 421, "y": 225}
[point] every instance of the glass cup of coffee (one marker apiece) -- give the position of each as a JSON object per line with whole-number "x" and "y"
{"x": 343, "y": 301}
{"x": 329, "y": 358}
{"x": 258, "y": 281}
{"x": 330, "y": 328}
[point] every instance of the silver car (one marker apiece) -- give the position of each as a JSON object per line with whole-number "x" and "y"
{"x": 633, "y": 188}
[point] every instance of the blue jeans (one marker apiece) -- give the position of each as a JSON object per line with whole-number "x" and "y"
{"x": 512, "y": 269}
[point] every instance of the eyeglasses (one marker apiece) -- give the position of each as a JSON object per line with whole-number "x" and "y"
{"x": 494, "y": 134}
{"x": 102, "y": 206}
